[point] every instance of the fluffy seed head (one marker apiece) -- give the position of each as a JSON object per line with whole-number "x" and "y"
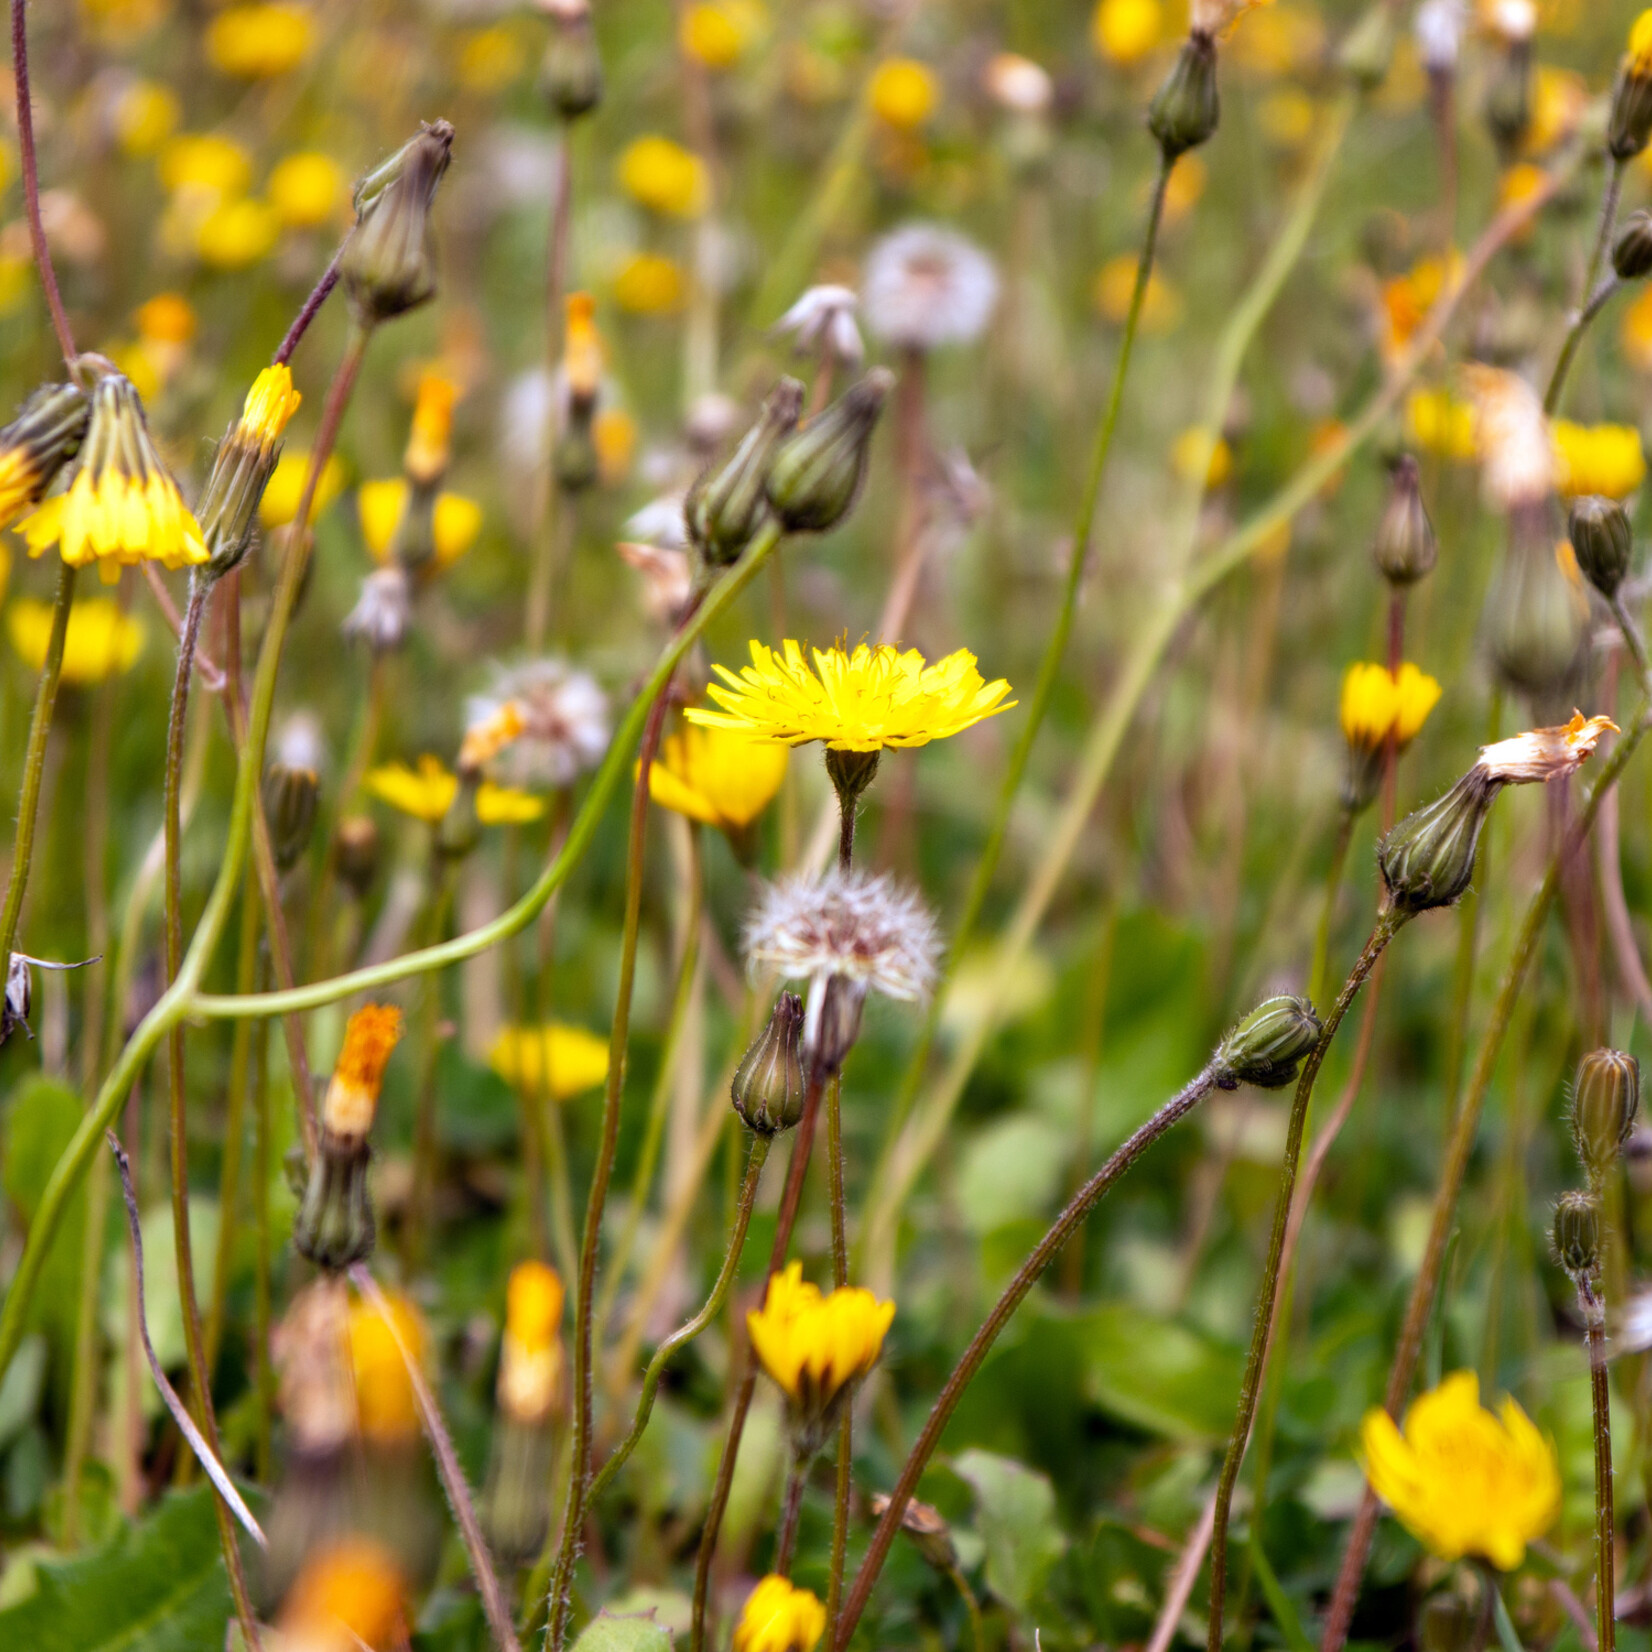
{"x": 925, "y": 286}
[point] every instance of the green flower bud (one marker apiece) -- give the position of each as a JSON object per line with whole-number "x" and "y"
{"x": 459, "y": 830}
{"x": 1605, "y": 1099}
{"x": 1447, "y": 1624}
{"x": 1427, "y": 859}
{"x": 1601, "y": 541}
{"x": 1369, "y": 48}
{"x": 1577, "y": 1236}
{"x": 576, "y": 449}
{"x": 36, "y": 445}
{"x": 413, "y": 546}
{"x": 1509, "y": 97}
{"x": 571, "y": 76}
{"x": 1630, "y": 122}
{"x": 290, "y": 798}
{"x": 767, "y": 1091}
{"x": 1632, "y": 251}
{"x": 1185, "y": 109}
{"x": 334, "y": 1227}
{"x": 725, "y": 508}
{"x": 1405, "y": 549}
{"x": 389, "y": 263}
{"x": 1536, "y": 617}
{"x": 817, "y": 471}
{"x": 1266, "y": 1047}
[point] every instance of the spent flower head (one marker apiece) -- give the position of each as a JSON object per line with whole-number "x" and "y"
{"x": 562, "y": 723}
{"x": 925, "y": 286}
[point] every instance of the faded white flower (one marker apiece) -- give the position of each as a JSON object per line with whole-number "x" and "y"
{"x": 1438, "y": 27}
{"x": 659, "y": 522}
{"x": 1517, "y": 457}
{"x": 822, "y": 323}
{"x": 539, "y": 726}
{"x": 667, "y": 578}
{"x": 1018, "y": 84}
{"x": 711, "y": 420}
{"x": 384, "y": 611}
{"x": 925, "y": 286}
{"x": 1543, "y": 753}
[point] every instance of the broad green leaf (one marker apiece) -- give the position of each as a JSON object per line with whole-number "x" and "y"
{"x": 1159, "y": 1375}
{"x": 158, "y": 1586}
{"x": 1015, "y": 1517}
{"x": 41, "y": 1116}
{"x": 1014, "y": 1167}
{"x": 608, "y": 1632}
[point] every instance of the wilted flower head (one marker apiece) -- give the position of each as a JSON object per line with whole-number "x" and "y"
{"x": 1543, "y": 753}
{"x": 1516, "y": 454}
{"x": 925, "y": 286}
{"x": 563, "y": 718}
{"x": 384, "y": 610}
{"x": 822, "y": 322}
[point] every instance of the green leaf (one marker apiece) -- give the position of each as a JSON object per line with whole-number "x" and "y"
{"x": 41, "y": 1116}
{"x": 608, "y": 1632}
{"x": 20, "y": 1388}
{"x": 1159, "y": 1375}
{"x": 1284, "y": 1614}
{"x": 158, "y": 1586}
{"x": 1015, "y": 1516}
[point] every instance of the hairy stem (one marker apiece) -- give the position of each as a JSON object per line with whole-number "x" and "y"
{"x": 30, "y": 167}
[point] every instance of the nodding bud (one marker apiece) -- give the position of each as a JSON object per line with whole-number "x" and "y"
{"x": 241, "y": 469}
{"x": 35, "y": 446}
{"x": 290, "y": 798}
{"x": 571, "y": 76}
{"x": 1267, "y": 1046}
{"x": 1632, "y": 251}
{"x": 1185, "y": 109}
{"x": 1427, "y": 859}
{"x": 818, "y": 470}
{"x": 1577, "y": 1236}
{"x": 1605, "y": 1099}
{"x": 356, "y": 853}
{"x": 767, "y": 1091}
{"x": 389, "y": 263}
{"x": 1447, "y": 1624}
{"x": 1508, "y": 108}
{"x": 1405, "y": 549}
{"x": 926, "y": 1526}
{"x": 725, "y": 508}
{"x": 1368, "y": 49}
{"x": 1601, "y": 541}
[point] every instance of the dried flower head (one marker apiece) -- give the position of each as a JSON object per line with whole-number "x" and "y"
{"x": 1512, "y": 437}
{"x": 384, "y": 611}
{"x": 779, "y": 1617}
{"x": 564, "y": 724}
{"x": 353, "y": 1093}
{"x": 310, "y": 1349}
{"x": 926, "y": 286}
{"x": 822, "y": 323}
{"x": 1543, "y": 753}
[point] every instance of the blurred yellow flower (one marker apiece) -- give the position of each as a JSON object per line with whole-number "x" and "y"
{"x": 1438, "y": 422}
{"x": 458, "y": 520}
{"x": 167, "y": 318}
{"x": 281, "y": 494}
{"x": 350, "y": 1594}
{"x": 1125, "y": 31}
{"x": 1278, "y": 40}
{"x": 1519, "y": 183}
{"x": 555, "y": 1059}
{"x": 1186, "y": 186}
{"x": 1597, "y": 458}
{"x": 308, "y": 189}
{"x": 530, "y": 1384}
{"x": 1287, "y": 117}
{"x": 237, "y": 233}
{"x": 1407, "y": 299}
{"x": 718, "y": 33}
{"x": 254, "y": 42}
{"x": 1640, "y": 45}
{"x": 1559, "y": 99}
{"x": 649, "y": 283}
{"x": 1461, "y": 1479}
{"x": 814, "y": 1345}
{"x": 582, "y": 352}
{"x": 430, "y": 439}
{"x": 1376, "y": 703}
{"x": 663, "y": 176}
{"x": 1635, "y": 330}
{"x": 1116, "y": 280}
{"x": 903, "y": 93}
{"x": 1196, "y": 456}
{"x": 716, "y": 777}
{"x": 506, "y": 806}
{"x": 145, "y": 116}
{"x": 16, "y": 281}
{"x": 386, "y": 1409}
{"x": 426, "y": 793}
{"x": 533, "y": 1303}
{"x": 614, "y": 432}
{"x": 490, "y": 59}
{"x": 205, "y": 161}
{"x": 101, "y": 641}
{"x": 779, "y": 1617}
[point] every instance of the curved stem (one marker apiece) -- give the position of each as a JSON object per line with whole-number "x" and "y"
{"x": 1574, "y": 338}
{"x": 30, "y": 167}
{"x": 312, "y": 307}
{"x": 1387, "y": 926}
{"x": 946, "y": 1402}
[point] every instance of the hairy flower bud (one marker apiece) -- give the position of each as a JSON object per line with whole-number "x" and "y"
{"x": 571, "y": 75}
{"x": 1266, "y": 1047}
{"x": 1405, "y": 549}
{"x": 1601, "y": 541}
{"x": 389, "y": 263}
{"x": 1427, "y": 859}
{"x": 242, "y": 467}
{"x": 1632, "y": 251}
{"x": 817, "y": 472}
{"x": 767, "y": 1091}
{"x": 1605, "y": 1099}
{"x": 725, "y": 508}
{"x": 1185, "y": 109}
{"x": 290, "y": 797}
{"x": 44, "y": 436}
{"x": 1577, "y": 1236}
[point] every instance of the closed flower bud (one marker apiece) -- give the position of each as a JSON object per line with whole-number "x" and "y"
{"x": 1537, "y": 617}
{"x": 389, "y": 263}
{"x": 356, "y": 853}
{"x": 1601, "y": 541}
{"x": 1630, "y": 122}
{"x": 1509, "y": 97}
{"x": 817, "y": 472}
{"x": 1632, "y": 251}
{"x": 1369, "y": 48}
{"x": 1185, "y": 109}
{"x": 1577, "y": 1236}
{"x": 290, "y": 798}
{"x": 460, "y": 829}
{"x": 767, "y": 1091}
{"x": 1447, "y": 1624}
{"x": 1427, "y": 859}
{"x": 1265, "y": 1048}
{"x": 577, "y": 460}
{"x": 571, "y": 76}
{"x": 1605, "y": 1100}
{"x": 1405, "y": 549}
{"x": 43, "y": 437}
{"x": 725, "y": 508}
{"x": 242, "y": 467}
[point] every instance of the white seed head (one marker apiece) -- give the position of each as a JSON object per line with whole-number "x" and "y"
{"x": 384, "y": 611}
{"x": 925, "y": 286}
{"x": 1517, "y": 459}
{"x": 1438, "y": 27}
{"x": 564, "y": 723}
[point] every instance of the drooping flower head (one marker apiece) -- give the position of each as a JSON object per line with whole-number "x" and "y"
{"x": 122, "y": 507}
{"x": 779, "y": 1617}
{"x": 1378, "y": 704}
{"x": 1464, "y": 1480}
{"x": 925, "y": 286}
{"x": 563, "y": 717}
{"x": 822, "y": 323}
{"x": 717, "y": 777}
{"x": 556, "y": 1060}
{"x": 44, "y": 436}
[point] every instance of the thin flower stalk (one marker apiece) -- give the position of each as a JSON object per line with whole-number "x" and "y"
{"x": 846, "y": 1425}
{"x": 30, "y": 168}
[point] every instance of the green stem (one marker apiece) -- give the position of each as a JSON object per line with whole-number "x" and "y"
{"x": 1590, "y": 298}
{"x": 846, "y": 1425}
{"x": 1605, "y": 1525}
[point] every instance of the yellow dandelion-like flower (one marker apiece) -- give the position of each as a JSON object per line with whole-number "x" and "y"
{"x": 145, "y": 116}
{"x": 207, "y": 162}
{"x": 864, "y": 701}
{"x": 1640, "y": 46}
{"x": 350, "y": 1594}
{"x": 235, "y": 234}
{"x": 506, "y": 806}
{"x": 1125, "y": 31}
{"x": 664, "y": 177}
{"x": 307, "y": 189}
{"x": 1407, "y": 299}
{"x": 718, "y": 33}
{"x": 716, "y": 777}
{"x": 279, "y": 504}
{"x": 1377, "y": 703}
{"x": 555, "y": 1059}
{"x": 101, "y": 641}
{"x": 1464, "y": 1480}
{"x": 385, "y": 1405}
{"x": 779, "y": 1617}
{"x": 903, "y": 93}
{"x": 1635, "y": 331}
{"x": 1197, "y": 456}
{"x": 490, "y": 60}
{"x": 649, "y": 283}
{"x": 256, "y": 42}
{"x": 167, "y": 318}
{"x": 1441, "y": 423}
{"x": 429, "y": 442}
{"x": 530, "y": 1382}
{"x": 457, "y": 522}
{"x": 123, "y": 507}
{"x": 614, "y": 433}
{"x": 816, "y": 1346}
{"x": 425, "y": 793}
{"x": 533, "y": 1304}
{"x": 1598, "y": 458}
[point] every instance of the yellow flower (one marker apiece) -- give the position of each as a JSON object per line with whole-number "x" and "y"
{"x": 718, "y": 33}
{"x": 557, "y": 1060}
{"x": 864, "y": 701}
{"x": 1461, "y": 1479}
{"x": 718, "y": 778}
{"x": 505, "y": 806}
{"x": 1559, "y": 99}
{"x": 270, "y": 403}
{"x": 207, "y": 162}
{"x": 1116, "y": 281}
{"x": 1519, "y": 183}
{"x": 145, "y": 116}
{"x": 816, "y": 1347}
{"x": 903, "y": 93}
{"x": 349, "y": 1595}
{"x": 429, "y": 443}
{"x": 1186, "y": 186}
{"x": 1125, "y": 31}
{"x": 1407, "y": 299}
{"x": 1635, "y": 331}
{"x": 101, "y": 642}
{"x": 582, "y": 354}
{"x": 779, "y": 1617}
{"x": 490, "y": 60}
{"x": 353, "y": 1091}
{"x": 614, "y": 432}
{"x": 1640, "y": 45}
{"x": 663, "y": 176}
{"x": 1376, "y": 703}
{"x": 649, "y": 283}
{"x": 385, "y": 1406}
{"x": 530, "y": 1357}
{"x": 1279, "y": 40}
{"x": 281, "y": 494}
{"x": 237, "y": 233}
{"x": 1196, "y": 456}
{"x": 533, "y": 1304}
{"x": 1598, "y": 458}
{"x": 255, "y": 42}
{"x": 1287, "y": 117}
{"x": 427, "y": 794}
{"x": 307, "y": 189}
{"x": 167, "y": 318}
{"x": 1439, "y": 423}
{"x": 458, "y": 520}
{"x": 123, "y": 507}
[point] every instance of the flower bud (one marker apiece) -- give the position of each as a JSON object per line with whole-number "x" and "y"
{"x": 1605, "y": 1100}
{"x": 356, "y": 853}
{"x": 1265, "y": 1048}
{"x": 817, "y": 472}
{"x": 1508, "y": 108}
{"x": 571, "y": 76}
{"x": 460, "y": 830}
{"x": 1630, "y": 122}
{"x": 1601, "y": 541}
{"x": 767, "y": 1091}
{"x": 725, "y": 508}
{"x": 1632, "y": 251}
{"x": 1536, "y": 617}
{"x": 242, "y": 467}
{"x": 1447, "y": 1624}
{"x": 389, "y": 263}
{"x": 1369, "y": 48}
{"x": 1185, "y": 109}
{"x": 577, "y": 460}
{"x": 1427, "y": 859}
{"x": 1577, "y": 1236}
{"x": 290, "y": 798}
{"x": 43, "y": 437}
{"x": 1405, "y": 549}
